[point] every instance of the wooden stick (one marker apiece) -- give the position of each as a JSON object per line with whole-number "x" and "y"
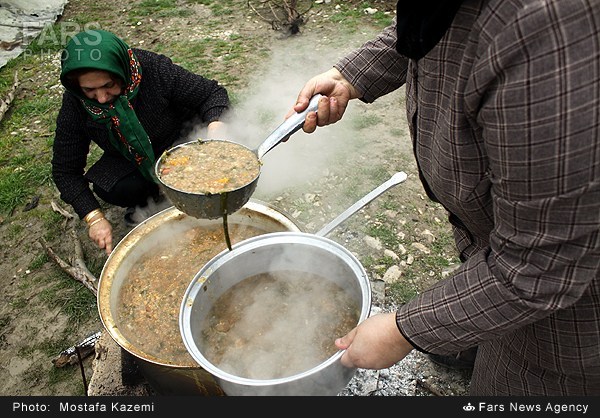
{"x": 85, "y": 347}
{"x": 78, "y": 270}
{"x": 80, "y": 274}
{"x": 431, "y": 387}
{"x": 5, "y": 104}
{"x": 79, "y": 262}
{"x": 57, "y": 208}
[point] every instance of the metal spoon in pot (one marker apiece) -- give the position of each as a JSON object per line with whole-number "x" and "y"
{"x": 397, "y": 178}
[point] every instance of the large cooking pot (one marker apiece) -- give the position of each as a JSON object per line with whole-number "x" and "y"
{"x": 313, "y": 255}
{"x": 216, "y": 205}
{"x": 178, "y": 373}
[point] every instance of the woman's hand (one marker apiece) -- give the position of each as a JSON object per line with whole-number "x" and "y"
{"x": 337, "y": 92}
{"x": 216, "y": 130}
{"x": 100, "y": 231}
{"x": 375, "y": 343}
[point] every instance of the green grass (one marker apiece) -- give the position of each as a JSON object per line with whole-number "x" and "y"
{"x": 51, "y": 39}
{"x": 40, "y": 110}
{"x": 220, "y": 8}
{"x": 25, "y": 137}
{"x": 159, "y": 9}
{"x": 14, "y": 231}
{"x": 53, "y": 224}
{"x": 156, "y": 9}
{"x": 426, "y": 268}
{"x": 61, "y": 374}
{"x": 4, "y": 327}
{"x": 70, "y": 298}
{"x": 200, "y": 55}
{"x": 385, "y": 233}
{"x": 19, "y": 302}
{"x": 365, "y": 121}
{"x": 367, "y": 175}
{"x": 39, "y": 261}
{"x": 55, "y": 375}
{"x": 19, "y": 181}
{"x": 351, "y": 17}
{"x": 402, "y": 291}
{"x": 73, "y": 299}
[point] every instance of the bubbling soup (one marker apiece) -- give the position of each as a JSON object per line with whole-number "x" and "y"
{"x": 209, "y": 167}
{"x": 151, "y": 294}
{"x": 277, "y": 324}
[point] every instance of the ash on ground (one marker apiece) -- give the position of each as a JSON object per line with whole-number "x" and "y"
{"x": 415, "y": 375}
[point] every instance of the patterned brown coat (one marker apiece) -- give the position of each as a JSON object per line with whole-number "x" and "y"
{"x": 505, "y": 121}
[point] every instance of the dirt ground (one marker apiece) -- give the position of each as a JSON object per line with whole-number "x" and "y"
{"x": 311, "y": 178}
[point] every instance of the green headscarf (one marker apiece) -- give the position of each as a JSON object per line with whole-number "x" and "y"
{"x": 101, "y": 50}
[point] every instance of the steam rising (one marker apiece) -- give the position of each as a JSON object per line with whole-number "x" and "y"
{"x": 272, "y": 93}
{"x": 277, "y": 324}
{"x": 303, "y": 158}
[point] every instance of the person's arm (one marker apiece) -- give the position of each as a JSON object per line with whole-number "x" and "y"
{"x": 208, "y": 99}
{"x": 69, "y": 159}
{"x": 376, "y": 68}
{"x": 534, "y": 101}
{"x": 369, "y": 72}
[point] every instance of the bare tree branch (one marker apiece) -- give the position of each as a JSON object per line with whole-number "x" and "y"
{"x": 79, "y": 271}
{"x": 81, "y": 274}
{"x": 57, "y": 208}
{"x": 5, "y": 104}
{"x": 284, "y": 14}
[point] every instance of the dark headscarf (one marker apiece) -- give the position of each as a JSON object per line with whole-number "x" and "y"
{"x": 421, "y": 24}
{"x": 102, "y": 50}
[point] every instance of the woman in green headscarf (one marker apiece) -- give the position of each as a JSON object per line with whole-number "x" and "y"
{"x": 134, "y": 104}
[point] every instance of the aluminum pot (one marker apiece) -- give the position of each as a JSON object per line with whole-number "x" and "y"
{"x": 181, "y": 376}
{"x": 312, "y": 254}
{"x": 301, "y": 252}
{"x": 213, "y": 206}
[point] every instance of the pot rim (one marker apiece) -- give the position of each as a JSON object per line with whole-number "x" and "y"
{"x": 250, "y": 245}
{"x": 127, "y": 244}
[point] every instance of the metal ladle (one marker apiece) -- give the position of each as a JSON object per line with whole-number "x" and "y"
{"x": 397, "y": 178}
{"x": 218, "y": 205}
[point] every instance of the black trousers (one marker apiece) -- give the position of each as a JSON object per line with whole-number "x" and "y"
{"x": 133, "y": 190}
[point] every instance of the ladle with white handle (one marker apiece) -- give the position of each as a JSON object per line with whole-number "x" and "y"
{"x": 397, "y": 178}
{"x": 216, "y": 205}
{"x": 288, "y": 127}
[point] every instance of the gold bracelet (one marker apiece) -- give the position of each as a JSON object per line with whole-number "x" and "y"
{"x": 95, "y": 222}
{"x": 92, "y": 214}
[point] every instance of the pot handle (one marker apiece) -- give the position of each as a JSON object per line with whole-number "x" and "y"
{"x": 397, "y": 178}
{"x": 288, "y": 127}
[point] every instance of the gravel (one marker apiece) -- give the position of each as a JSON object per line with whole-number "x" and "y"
{"x": 415, "y": 375}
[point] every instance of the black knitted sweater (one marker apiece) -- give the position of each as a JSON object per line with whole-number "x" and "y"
{"x": 170, "y": 101}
